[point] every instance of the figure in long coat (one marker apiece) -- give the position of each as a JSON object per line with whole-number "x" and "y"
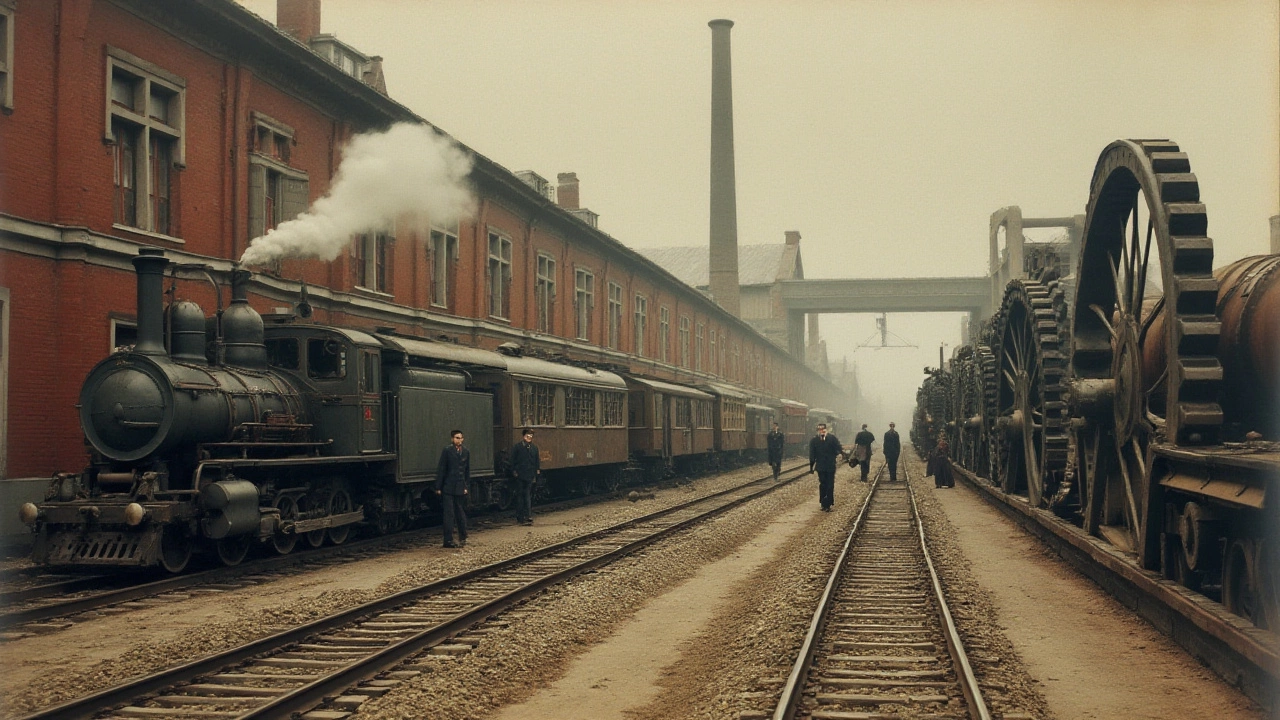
{"x": 940, "y": 466}
{"x": 776, "y": 441}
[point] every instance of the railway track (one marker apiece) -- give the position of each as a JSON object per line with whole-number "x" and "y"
{"x": 882, "y": 642}
{"x": 357, "y": 651}
{"x": 38, "y": 600}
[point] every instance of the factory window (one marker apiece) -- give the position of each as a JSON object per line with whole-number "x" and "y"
{"x": 704, "y": 416}
{"x": 537, "y": 404}
{"x": 283, "y": 353}
{"x": 278, "y": 193}
{"x": 658, "y": 418}
{"x": 499, "y": 275}
{"x": 684, "y": 341}
{"x": 611, "y": 409}
{"x": 124, "y": 334}
{"x": 144, "y": 126}
{"x": 684, "y": 413}
{"x": 737, "y": 357}
{"x": 700, "y": 340}
{"x": 615, "y": 315}
{"x": 712, "y": 355}
{"x": 326, "y": 359}
{"x": 664, "y": 334}
{"x": 641, "y": 323}
{"x": 584, "y": 299}
{"x": 579, "y": 407}
{"x": 444, "y": 264}
{"x": 6, "y": 57}
{"x": 371, "y": 255}
{"x": 545, "y": 293}
{"x": 724, "y": 348}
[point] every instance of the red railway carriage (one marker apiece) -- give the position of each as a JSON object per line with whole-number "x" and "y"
{"x": 760, "y": 420}
{"x": 729, "y": 414}
{"x": 795, "y": 424}
{"x": 669, "y": 421}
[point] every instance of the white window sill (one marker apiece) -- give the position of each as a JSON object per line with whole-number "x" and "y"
{"x": 372, "y": 293}
{"x": 148, "y": 233}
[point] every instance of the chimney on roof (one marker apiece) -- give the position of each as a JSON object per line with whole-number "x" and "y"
{"x": 567, "y": 191}
{"x": 299, "y": 18}
{"x": 373, "y": 76}
{"x": 724, "y": 202}
{"x": 793, "y": 237}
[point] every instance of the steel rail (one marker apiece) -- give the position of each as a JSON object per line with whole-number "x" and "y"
{"x": 955, "y": 646}
{"x": 105, "y": 699}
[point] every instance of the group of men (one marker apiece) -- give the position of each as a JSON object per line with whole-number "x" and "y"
{"x": 824, "y": 450}
{"x": 453, "y": 476}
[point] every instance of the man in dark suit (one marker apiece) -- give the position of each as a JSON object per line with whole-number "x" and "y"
{"x": 453, "y": 474}
{"x": 823, "y": 451}
{"x": 892, "y": 449}
{"x": 862, "y": 449}
{"x": 525, "y": 464}
{"x": 776, "y": 441}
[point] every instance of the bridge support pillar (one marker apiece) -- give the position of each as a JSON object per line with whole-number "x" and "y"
{"x": 795, "y": 334}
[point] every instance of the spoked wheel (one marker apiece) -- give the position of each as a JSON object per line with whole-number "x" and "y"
{"x": 1031, "y": 428}
{"x": 311, "y": 508}
{"x": 175, "y": 549}
{"x": 1137, "y": 375}
{"x": 285, "y": 542}
{"x": 232, "y": 551}
{"x": 339, "y": 504}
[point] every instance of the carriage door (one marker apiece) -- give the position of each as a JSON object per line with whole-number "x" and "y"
{"x": 370, "y": 400}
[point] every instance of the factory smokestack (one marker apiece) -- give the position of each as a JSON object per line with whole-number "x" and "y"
{"x": 724, "y": 202}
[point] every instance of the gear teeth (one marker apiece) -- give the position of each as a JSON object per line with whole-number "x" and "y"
{"x": 1192, "y": 254}
{"x": 1178, "y": 187}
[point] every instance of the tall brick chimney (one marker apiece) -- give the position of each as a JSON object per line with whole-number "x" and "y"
{"x": 299, "y": 18}
{"x": 792, "y": 236}
{"x": 724, "y": 202}
{"x": 567, "y": 190}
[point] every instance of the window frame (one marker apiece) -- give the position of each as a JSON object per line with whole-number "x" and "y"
{"x": 700, "y": 338}
{"x": 144, "y": 77}
{"x": 614, "y": 338}
{"x": 684, "y": 341}
{"x": 6, "y": 56}
{"x": 373, "y": 251}
{"x": 584, "y": 301}
{"x": 581, "y": 407}
{"x": 530, "y": 397}
{"x": 544, "y": 293}
{"x": 499, "y": 288}
{"x": 664, "y": 332}
{"x": 640, "y": 322}
{"x": 444, "y": 271}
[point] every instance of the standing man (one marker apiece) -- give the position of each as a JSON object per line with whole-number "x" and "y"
{"x": 453, "y": 474}
{"x": 892, "y": 449}
{"x": 823, "y": 451}
{"x": 862, "y": 449}
{"x": 940, "y": 466}
{"x": 525, "y": 465}
{"x": 776, "y": 441}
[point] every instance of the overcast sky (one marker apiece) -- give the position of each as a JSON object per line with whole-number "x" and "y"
{"x": 886, "y": 132}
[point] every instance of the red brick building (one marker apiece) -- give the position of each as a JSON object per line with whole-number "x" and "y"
{"x": 193, "y": 126}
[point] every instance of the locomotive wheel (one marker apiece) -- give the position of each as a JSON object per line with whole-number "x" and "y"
{"x": 232, "y": 551}
{"x": 175, "y": 549}
{"x": 1139, "y": 183}
{"x": 310, "y": 504}
{"x": 339, "y": 503}
{"x": 1032, "y": 423}
{"x": 1173, "y": 564}
{"x": 285, "y": 542}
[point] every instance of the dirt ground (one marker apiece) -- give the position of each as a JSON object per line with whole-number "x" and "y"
{"x": 1093, "y": 657}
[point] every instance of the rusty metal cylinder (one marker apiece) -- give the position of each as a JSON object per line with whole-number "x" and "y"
{"x": 1248, "y": 348}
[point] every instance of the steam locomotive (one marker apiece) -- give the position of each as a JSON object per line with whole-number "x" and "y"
{"x": 213, "y": 434}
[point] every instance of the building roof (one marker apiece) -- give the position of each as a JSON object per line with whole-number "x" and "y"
{"x": 757, "y": 264}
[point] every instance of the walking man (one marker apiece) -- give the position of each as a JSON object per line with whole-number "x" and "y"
{"x": 776, "y": 442}
{"x": 892, "y": 449}
{"x": 525, "y": 465}
{"x": 453, "y": 474}
{"x": 940, "y": 466}
{"x": 862, "y": 449}
{"x": 823, "y": 451}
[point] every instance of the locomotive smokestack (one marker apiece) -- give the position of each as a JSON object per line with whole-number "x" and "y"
{"x": 724, "y": 202}
{"x": 150, "y": 264}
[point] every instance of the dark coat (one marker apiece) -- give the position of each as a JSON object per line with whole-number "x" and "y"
{"x": 864, "y": 438}
{"x": 939, "y": 467}
{"x": 823, "y": 453}
{"x": 453, "y": 472}
{"x": 525, "y": 461}
{"x": 892, "y": 444}
{"x": 777, "y": 440}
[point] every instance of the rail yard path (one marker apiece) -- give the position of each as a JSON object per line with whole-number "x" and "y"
{"x": 1092, "y": 657}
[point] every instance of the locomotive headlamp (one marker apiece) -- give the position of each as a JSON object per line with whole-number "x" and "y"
{"x": 134, "y": 514}
{"x": 28, "y": 513}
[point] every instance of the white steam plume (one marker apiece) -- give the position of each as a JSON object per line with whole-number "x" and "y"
{"x": 407, "y": 172}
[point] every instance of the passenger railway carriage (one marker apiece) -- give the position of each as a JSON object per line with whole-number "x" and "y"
{"x": 211, "y": 434}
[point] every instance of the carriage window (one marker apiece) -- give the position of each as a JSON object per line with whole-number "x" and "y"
{"x": 579, "y": 407}
{"x": 369, "y": 372}
{"x": 537, "y": 404}
{"x": 611, "y": 404}
{"x": 734, "y": 415}
{"x": 326, "y": 359}
{"x": 283, "y": 353}
{"x": 704, "y": 414}
{"x": 684, "y": 413}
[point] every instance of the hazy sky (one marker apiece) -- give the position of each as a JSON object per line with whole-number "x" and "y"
{"x": 886, "y": 132}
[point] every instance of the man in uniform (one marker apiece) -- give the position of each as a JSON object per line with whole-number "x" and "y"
{"x": 892, "y": 449}
{"x": 776, "y": 442}
{"x": 823, "y": 451}
{"x": 453, "y": 474}
{"x": 862, "y": 449}
{"x": 525, "y": 464}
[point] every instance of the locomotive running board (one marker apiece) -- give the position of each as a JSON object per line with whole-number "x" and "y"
{"x": 328, "y": 521}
